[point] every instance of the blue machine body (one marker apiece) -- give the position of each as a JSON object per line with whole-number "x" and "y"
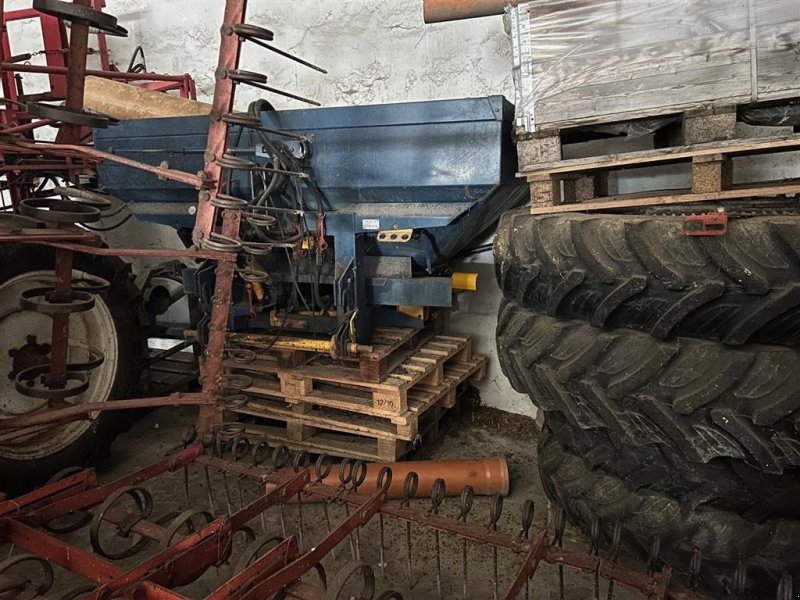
{"x": 444, "y": 169}
{"x": 445, "y": 166}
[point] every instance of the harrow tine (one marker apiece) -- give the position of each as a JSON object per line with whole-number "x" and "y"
{"x": 280, "y": 458}
{"x": 322, "y": 469}
{"x": 495, "y": 512}
{"x": 465, "y": 505}
{"x": 241, "y": 449}
{"x": 437, "y": 496}
{"x": 346, "y": 468}
{"x": 528, "y": 513}
{"x": 410, "y": 486}
{"x": 260, "y": 453}
{"x": 301, "y": 461}
{"x": 359, "y": 475}
{"x": 384, "y": 481}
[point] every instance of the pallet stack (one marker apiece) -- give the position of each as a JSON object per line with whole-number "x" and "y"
{"x": 708, "y": 146}
{"x": 376, "y": 407}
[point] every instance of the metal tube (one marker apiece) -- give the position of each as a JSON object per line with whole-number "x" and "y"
{"x": 487, "y": 476}
{"x": 440, "y": 11}
{"x": 118, "y": 75}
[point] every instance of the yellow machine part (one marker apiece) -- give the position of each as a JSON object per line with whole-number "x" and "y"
{"x": 465, "y": 282}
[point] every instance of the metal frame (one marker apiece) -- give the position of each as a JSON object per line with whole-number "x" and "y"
{"x": 282, "y": 567}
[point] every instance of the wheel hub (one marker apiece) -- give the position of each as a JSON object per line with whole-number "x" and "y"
{"x": 31, "y": 354}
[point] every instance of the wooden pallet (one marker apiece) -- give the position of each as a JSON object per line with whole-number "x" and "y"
{"x": 585, "y": 180}
{"x": 321, "y": 429}
{"x": 335, "y": 386}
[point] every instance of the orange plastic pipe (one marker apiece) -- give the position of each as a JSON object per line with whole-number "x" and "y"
{"x": 440, "y": 11}
{"x": 487, "y": 476}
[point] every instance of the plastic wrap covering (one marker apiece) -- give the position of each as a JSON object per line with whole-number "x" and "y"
{"x": 590, "y": 61}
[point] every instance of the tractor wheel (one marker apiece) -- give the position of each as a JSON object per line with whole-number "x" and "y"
{"x": 700, "y": 399}
{"x": 114, "y": 325}
{"x": 732, "y": 548}
{"x": 642, "y": 272}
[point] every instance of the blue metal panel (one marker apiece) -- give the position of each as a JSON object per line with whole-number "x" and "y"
{"x": 444, "y": 168}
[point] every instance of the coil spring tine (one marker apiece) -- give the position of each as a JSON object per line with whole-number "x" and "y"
{"x": 528, "y": 514}
{"x": 613, "y": 555}
{"x": 384, "y": 481}
{"x": 241, "y": 448}
{"x": 465, "y": 505}
{"x": 495, "y": 512}
{"x": 410, "y": 486}
{"x": 301, "y": 461}
{"x": 259, "y": 453}
{"x": 242, "y": 30}
{"x": 280, "y": 458}
{"x": 322, "y": 469}
{"x": 359, "y": 475}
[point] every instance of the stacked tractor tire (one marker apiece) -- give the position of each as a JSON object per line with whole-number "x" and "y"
{"x": 668, "y": 370}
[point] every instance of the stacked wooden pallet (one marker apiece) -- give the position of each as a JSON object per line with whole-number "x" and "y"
{"x": 708, "y": 147}
{"x": 329, "y": 406}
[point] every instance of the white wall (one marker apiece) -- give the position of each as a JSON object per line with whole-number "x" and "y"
{"x": 375, "y": 50}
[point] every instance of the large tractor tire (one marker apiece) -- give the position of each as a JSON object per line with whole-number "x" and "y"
{"x": 699, "y": 398}
{"x": 114, "y": 325}
{"x": 724, "y": 540}
{"x": 643, "y": 272}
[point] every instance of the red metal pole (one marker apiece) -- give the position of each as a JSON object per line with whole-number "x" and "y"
{"x": 230, "y": 47}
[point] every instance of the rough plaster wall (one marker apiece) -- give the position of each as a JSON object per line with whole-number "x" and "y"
{"x": 375, "y": 50}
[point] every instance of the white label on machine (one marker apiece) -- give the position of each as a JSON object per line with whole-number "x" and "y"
{"x": 370, "y": 224}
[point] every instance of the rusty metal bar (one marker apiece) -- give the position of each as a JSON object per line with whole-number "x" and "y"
{"x": 121, "y": 75}
{"x": 230, "y": 48}
{"x": 194, "y": 254}
{"x": 294, "y": 570}
{"x": 52, "y": 492}
{"x": 59, "y": 415}
{"x": 176, "y": 565}
{"x": 279, "y": 495}
{"x": 97, "y": 495}
{"x": 266, "y": 565}
{"x": 86, "y": 151}
{"x": 74, "y": 559}
{"x": 440, "y": 11}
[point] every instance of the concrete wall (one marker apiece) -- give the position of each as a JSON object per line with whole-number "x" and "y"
{"x": 375, "y": 51}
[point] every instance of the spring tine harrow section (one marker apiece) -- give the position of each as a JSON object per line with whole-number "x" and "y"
{"x": 125, "y": 522}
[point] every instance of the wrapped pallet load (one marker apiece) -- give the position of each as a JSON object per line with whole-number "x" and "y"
{"x": 596, "y": 61}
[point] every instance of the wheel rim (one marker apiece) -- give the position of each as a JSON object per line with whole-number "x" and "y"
{"x": 93, "y": 328}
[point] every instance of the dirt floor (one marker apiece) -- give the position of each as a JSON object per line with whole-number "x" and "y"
{"x": 473, "y": 433}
